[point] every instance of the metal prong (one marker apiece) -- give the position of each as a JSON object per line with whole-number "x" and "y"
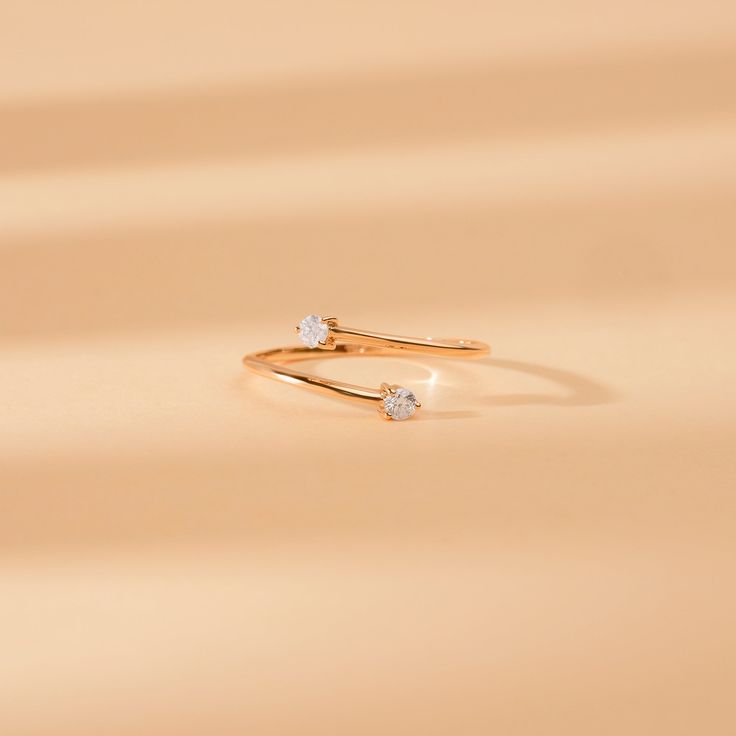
{"x": 328, "y": 344}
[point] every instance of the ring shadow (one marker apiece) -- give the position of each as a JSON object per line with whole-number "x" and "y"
{"x": 579, "y": 390}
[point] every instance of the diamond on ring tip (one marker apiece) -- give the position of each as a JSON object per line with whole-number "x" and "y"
{"x": 400, "y": 403}
{"x": 313, "y": 330}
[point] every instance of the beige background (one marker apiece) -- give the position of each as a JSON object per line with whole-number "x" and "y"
{"x": 548, "y": 548}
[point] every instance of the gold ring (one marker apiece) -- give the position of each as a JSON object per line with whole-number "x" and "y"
{"x": 324, "y": 337}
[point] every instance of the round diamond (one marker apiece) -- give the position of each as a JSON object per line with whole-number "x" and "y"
{"x": 400, "y": 404}
{"x": 312, "y": 330}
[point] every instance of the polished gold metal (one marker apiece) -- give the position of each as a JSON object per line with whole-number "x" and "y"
{"x": 446, "y": 347}
{"x": 342, "y": 341}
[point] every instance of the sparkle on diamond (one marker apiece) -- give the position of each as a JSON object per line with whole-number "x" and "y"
{"x": 401, "y": 404}
{"x": 312, "y": 330}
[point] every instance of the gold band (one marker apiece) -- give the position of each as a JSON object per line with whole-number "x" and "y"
{"x": 444, "y": 348}
{"x": 330, "y": 339}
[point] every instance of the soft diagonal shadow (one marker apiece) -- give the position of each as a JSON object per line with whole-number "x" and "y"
{"x": 438, "y": 414}
{"x": 580, "y": 390}
{"x": 340, "y": 112}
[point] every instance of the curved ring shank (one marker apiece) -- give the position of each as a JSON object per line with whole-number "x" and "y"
{"x": 445, "y": 347}
{"x": 275, "y": 363}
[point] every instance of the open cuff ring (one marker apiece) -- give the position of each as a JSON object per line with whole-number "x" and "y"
{"x": 324, "y": 337}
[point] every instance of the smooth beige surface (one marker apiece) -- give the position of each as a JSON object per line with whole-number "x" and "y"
{"x": 547, "y": 548}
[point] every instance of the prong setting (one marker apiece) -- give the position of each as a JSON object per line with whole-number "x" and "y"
{"x": 314, "y": 332}
{"x": 398, "y": 403}
{"x": 329, "y": 344}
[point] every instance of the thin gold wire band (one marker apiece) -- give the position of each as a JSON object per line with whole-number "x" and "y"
{"x": 276, "y": 364}
{"x": 327, "y": 333}
{"x": 392, "y": 401}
